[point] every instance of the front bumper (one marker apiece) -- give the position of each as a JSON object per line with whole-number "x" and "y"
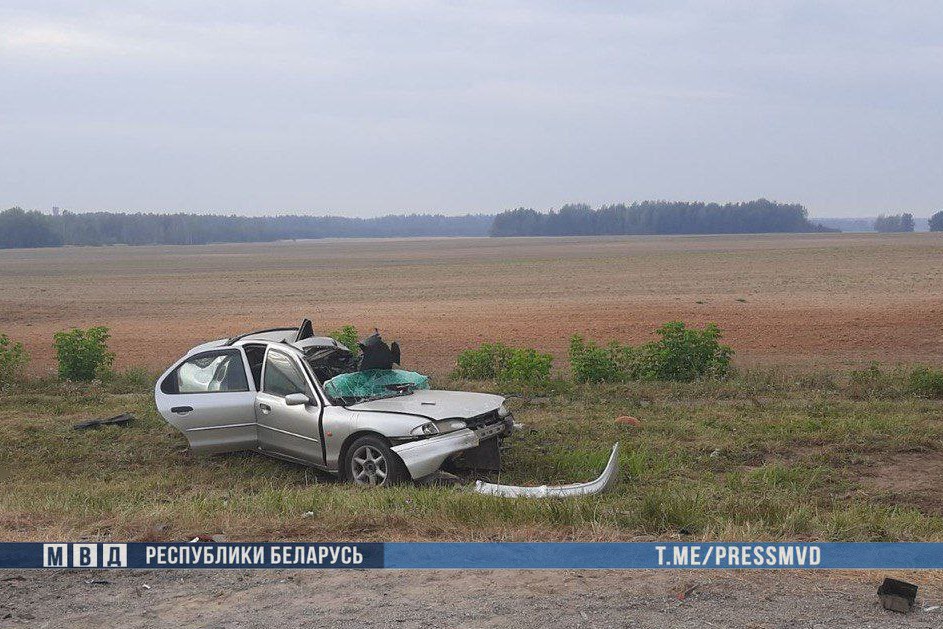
{"x": 425, "y": 456}
{"x": 606, "y": 481}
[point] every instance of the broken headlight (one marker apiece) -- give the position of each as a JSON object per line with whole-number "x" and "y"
{"x": 425, "y": 430}
{"x": 448, "y": 425}
{"x": 503, "y": 411}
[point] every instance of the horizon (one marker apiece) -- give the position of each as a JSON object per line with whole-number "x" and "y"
{"x": 316, "y": 214}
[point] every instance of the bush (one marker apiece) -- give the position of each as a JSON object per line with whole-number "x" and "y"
{"x": 83, "y": 354}
{"x": 12, "y": 360}
{"x": 591, "y": 363}
{"x": 496, "y": 361}
{"x": 684, "y": 354}
{"x": 484, "y": 363}
{"x": 527, "y": 365}
{"x": 926, "y": 382}
{"x": 348, "y": 337}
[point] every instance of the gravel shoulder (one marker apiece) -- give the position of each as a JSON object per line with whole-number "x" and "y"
{"x": 424, "y": 599}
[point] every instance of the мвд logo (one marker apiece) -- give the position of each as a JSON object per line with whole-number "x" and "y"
{"x": 85, "y": 555}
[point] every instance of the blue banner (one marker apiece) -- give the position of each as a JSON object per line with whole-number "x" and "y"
{"x": 470, "y": 556}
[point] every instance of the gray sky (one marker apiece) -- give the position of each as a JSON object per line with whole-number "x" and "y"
{"x": 365, "y": 108}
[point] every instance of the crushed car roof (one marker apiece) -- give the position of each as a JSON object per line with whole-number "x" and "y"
{"x": 285, "y": 335}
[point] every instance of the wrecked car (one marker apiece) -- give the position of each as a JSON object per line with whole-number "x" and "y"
{"x": 290, "y": 394}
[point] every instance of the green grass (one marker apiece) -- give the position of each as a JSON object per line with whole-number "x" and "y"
{"x": 763, "y": 455}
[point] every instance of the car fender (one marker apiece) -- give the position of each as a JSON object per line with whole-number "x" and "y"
{"x": 425, "y": 456}
{"x": 340, "y": 423}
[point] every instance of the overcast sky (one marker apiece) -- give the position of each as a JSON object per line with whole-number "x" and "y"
{"x": 365, "y": 108}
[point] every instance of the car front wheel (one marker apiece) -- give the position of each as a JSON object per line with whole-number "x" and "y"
{"x": 370, "y": 462}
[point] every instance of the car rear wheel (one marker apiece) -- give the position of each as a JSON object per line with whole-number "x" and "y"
{"x": 370, "y": 462}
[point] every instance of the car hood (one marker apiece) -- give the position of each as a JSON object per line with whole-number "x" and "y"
{"x": 435, "y": 405}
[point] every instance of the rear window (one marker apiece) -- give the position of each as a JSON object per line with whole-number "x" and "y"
{"x": 210, "y": 372}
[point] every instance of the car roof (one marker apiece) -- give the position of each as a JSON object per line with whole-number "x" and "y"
{"x": 269, "y": 337}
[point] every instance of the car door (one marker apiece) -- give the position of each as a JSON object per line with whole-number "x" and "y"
{"x": 208, "y": 398}
{"x": 286, "y": 429}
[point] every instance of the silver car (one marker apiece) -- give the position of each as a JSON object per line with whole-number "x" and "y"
{"x": 265, "y": 391}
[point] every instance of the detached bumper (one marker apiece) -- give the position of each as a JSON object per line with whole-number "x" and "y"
{"x": 425, "y": 456}
{"x": 607, "y": 480}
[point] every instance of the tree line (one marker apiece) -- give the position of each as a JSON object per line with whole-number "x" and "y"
{"x": 658, "y": 217}
{"x": 20, "y": 228}
{"x": 894, "y": 223}
{"x": 936, "y": 222}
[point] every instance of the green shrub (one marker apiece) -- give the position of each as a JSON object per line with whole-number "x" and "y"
{"x": 527, "y": 365}
{"x": 684, "y": 354}
{"x": 926, "y": 382}
{"x": 348, "y": 337}
{"x": 12, "y": 360}
{"x": 484, "y": 363}
{"x": 83, "y": 354}
{"x": 497, "y": 361}
{"x": 591, "y": 363}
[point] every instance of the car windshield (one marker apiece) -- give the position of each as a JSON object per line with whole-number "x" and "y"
{"x": 373, "y": 384}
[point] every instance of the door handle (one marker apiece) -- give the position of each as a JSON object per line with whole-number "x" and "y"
{"x": 181, "y": 410}
{"x": 265, "y": 408}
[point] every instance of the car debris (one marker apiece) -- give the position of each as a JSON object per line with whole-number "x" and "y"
{"x": 118, "y": 420}
{"x": 897, "y": 596}
{"x": 608, "y": 479}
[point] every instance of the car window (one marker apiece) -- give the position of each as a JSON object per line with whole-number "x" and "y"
{"x": 281, "y": 376}
{"x": 219, "y": 372}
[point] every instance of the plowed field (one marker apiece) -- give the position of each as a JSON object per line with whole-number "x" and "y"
{"x": 818, "y": 298}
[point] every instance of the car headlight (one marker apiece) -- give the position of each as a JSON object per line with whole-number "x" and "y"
{"x": 503, "y": 411}
{"x": 425, "y": 430}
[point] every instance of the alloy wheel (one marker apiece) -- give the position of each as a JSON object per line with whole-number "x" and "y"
{"x": 368, "y": 466}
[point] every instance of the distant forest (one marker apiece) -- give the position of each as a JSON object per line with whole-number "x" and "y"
{"x": 894, "y": 223}
{"x": 658, "y": 217}
{"x": 21, "y": 228}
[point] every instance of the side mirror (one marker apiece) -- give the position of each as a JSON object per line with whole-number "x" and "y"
{"x": 297, "y": 399}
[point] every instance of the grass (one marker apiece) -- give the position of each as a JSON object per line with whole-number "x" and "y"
{"x": 764, "y": 455}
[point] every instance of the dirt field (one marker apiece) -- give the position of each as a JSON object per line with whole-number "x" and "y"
{"x": 426, "y": 599}
{"x": 785, "y": 299}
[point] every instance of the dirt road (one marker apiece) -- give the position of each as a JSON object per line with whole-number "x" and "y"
{"x": 426, "y": 599}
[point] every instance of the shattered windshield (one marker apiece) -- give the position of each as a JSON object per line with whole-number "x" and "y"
{"x": 373, "y": 384}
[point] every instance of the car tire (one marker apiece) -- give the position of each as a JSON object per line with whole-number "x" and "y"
{"x": 370, "y": 462}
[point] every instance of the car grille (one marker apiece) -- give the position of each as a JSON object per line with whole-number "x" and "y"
{"x": 486, "y": 419}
